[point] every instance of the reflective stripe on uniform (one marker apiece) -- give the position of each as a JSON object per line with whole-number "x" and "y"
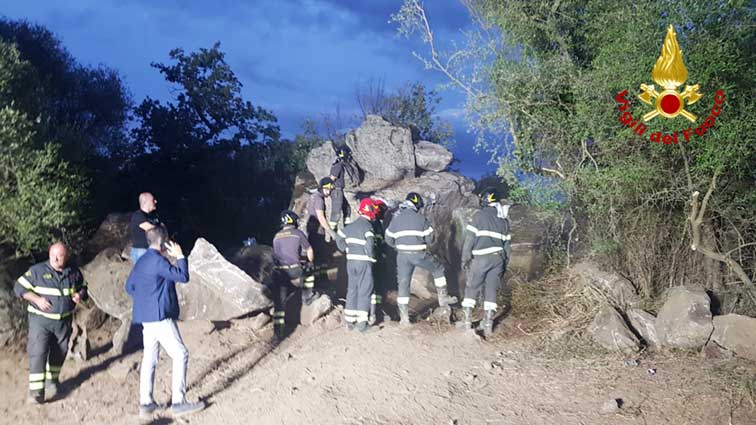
{"x": 289, "y": 267}
{"x": 43, "y": 290}
{"x": 25, "y": 283}
{"x": 359, "y": 257}
{"x": 53, "y": 368}
{"x": 350, "y": 315}
{"x": 402, "y": 300}
{"x": 485, "y": 251}
{"x": 356, "y": 241}
{"x": 403, "y": 233}
{"x": 52, "y": 376}
{"x": 362, "y": 316}
{"x": 340, "y": 233}
{"x": 376, "y": 299}
{"x": 369, "y": 234}
{"x": 489, "y": 306}
{"x": 34, "y": 386}
{"x": 34, "y": 377}
{"x": 279, "y": 317}
{"x": 53, "y": 316}
{"x": 468, "y": 302}
{"x": 440, "y": 282}
{"x": 411, "y": 247}
{"x": 488, "y": 233}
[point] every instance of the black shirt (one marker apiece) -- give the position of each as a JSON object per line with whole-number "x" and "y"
{"x": 138, "y": 235}
{"x": 337, "y": 170}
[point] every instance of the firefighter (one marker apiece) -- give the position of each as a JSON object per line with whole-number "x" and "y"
{"x": 53, "y": 289}
{"x": 357, "y": 241}
{"x": 410, "y": 234}
{"x": 319, "y": 233}
{"x": 376, "y": 299}
{"x": 288, "y": 246}
{"x": 485, "y": 255}
{"x": 339, "y": 205}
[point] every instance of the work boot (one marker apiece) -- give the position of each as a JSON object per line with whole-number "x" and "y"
{"x": 363, "y": 327}
{"x": 308, "y": 296}
{"x": 466, "y": 324}
{"x": 372, "y": 319}
{"x": 146, "y": 410}
{"x": 443, "y": 297}
{"x": 36, "y": 397}
{"x": 404, "y": 318}
{"x": 488, "y": 323}
{"x": 53, "y": 390}
{"x": 186, "y": 408}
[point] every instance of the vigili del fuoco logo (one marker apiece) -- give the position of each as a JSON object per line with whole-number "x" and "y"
{"x": 667, "y": 102}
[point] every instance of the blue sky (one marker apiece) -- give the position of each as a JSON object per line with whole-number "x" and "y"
{"x": 297, "y": 58}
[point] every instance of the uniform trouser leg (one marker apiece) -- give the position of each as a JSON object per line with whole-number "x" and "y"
{"x": 493, "y": 282}
{"x": 363, "y": 271}
{"x": 60, "y": 334}
{"x": 376, "y": 298}
{"x": 166, "y": 334}
{"x": 337, "y": 206}
{"x": 350, "y": 311}
{"x": 475, "y": 280}
{"x": 405, "y": 265}
{"x": 434, "y": 266}
{"x": 280, "y": 292}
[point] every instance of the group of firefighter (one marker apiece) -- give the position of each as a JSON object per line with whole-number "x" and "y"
{"x": 485, "y": 252}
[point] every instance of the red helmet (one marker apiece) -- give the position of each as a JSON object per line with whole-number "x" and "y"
{"x": 367, "y": 208}
{"x": 380, "y": 208}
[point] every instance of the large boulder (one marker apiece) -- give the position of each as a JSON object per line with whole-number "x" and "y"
{"x": 105, "y": 277}
{"x": 112, "y": 233}
{"x": 432, "y": 156}
{"x": 644, "y": 324}
{"x": 13, "y": 314}
{"x": 609, "y": 330}
{"x": 616, "y": 288}
{"x": 217, "y": 289}
{"x": 685, "y": 319}
{"x": 736, "y": 333}
{"x": 383, "y": 151}
{"x": 319, "y": 162}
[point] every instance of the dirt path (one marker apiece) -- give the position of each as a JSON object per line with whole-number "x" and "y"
{"x": 427, "y": 374}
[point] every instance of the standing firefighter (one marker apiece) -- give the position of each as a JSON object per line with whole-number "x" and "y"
{"x": 410, "y": 234}
{"x": 339, "y": 205}
{"x": 319, "y": 233}
{"x": 485, "y": 255}
{"x": 52, "y": 289}
{"x": 288, "y": 246}
{"x": 376, "y": 299}
{"x": 357, "y": 241}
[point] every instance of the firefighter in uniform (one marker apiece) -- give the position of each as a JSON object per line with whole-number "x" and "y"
{"x": 485, "y": 255}
{"x": 318, "y": 231}
{"x": 339, "y": 205}
{"x": 410, "y": 234}
{"x": 288, "y": 246}
{"x": 376, "y": 299}
{"x": 357, "y": 241}
{"x": 53, "y": 289}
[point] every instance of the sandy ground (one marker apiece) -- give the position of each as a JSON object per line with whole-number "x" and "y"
{"x": 425, "y": 374}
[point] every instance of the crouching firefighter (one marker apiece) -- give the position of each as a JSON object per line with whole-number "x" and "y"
{"x": 485, "y": 255}
{"x": 411, "y": 234}
{"x": 53, "y": 289}
{"x": 357, "y": 241}
{"x": 289, "y": 244}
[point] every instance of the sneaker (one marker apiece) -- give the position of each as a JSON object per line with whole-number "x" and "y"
{"x": 186, "y": 408}
{"x": 147, "y": 409}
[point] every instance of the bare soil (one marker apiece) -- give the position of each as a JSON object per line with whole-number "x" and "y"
{"x": 425, "y": 374}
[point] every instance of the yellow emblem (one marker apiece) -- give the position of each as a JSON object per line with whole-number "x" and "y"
{"x": 669, "y": 72}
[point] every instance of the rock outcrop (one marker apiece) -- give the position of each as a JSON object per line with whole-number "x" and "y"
{"x": 432, "y": 156}
{"x": 644, "y": 324}
{"x": 383, "y": 151}
{"x": 217, "y": 289}
{"x": 616, "y": 288}
{"x": 685, "y": 320}
{"x": 609, "y": 330}
{"x": 736, "y": 333}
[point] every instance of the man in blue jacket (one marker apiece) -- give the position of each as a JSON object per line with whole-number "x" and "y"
{"x": 152, "y": 285}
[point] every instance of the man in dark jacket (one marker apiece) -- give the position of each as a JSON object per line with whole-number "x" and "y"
{"x": 53, "y": 289}
{"x": 339, "y": 206}
{"x": 485, "y": 256}
{"x": 152, "y": 285}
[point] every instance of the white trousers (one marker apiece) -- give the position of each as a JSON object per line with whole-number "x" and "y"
{"x": 166, "y": 334}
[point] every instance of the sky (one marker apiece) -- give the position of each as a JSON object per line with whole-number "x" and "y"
{"x": 296, "y": 58}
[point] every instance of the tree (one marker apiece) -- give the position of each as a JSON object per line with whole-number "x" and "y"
{"x": 546, "y": 73}
{"x": 40, "y": 194}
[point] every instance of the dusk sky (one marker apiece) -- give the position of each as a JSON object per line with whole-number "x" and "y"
{"x": 297, "y": 58}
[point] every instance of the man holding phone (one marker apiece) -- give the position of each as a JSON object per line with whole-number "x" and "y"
{"x": 152, "y": 285}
